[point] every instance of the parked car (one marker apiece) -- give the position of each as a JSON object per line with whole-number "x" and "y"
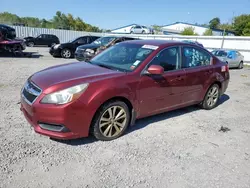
{"x": 127, "y": 81}
{"x": 67, "y": 50}
{"x": 42, "y": 40}
{"x": 193, "y": 42}
{"x": 140, "y": 29}
{"x": 233, "y": 57}
{"x": 86, "y": 52}
{"x": 7, "y": 32}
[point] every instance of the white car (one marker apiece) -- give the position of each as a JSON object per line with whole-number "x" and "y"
{"x": 138, "y": 29}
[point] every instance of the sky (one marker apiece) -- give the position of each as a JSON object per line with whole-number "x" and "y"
{"x": 111, "y": 14}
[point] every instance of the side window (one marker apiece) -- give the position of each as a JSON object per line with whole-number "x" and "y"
{"x": 117, "y": 41}
{"x": 193, "y": 57}
{"x": 169, "y": 59}
{"x": 82, "y": 40}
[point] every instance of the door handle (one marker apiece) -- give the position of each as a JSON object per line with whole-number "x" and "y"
{"x": 178, "y": 78}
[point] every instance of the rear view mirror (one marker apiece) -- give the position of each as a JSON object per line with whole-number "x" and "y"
{"x": 156, "y": 70}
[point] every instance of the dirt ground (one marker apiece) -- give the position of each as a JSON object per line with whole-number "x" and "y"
{"x": 178, "y": 149}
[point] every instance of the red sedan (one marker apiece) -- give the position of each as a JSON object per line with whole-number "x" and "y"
{"x": 128, "y": 81}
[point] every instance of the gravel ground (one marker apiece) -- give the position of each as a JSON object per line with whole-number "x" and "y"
{"x": 183, "y": 148}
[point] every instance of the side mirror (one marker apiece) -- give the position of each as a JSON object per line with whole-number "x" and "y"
{"x": 156, "y": 70}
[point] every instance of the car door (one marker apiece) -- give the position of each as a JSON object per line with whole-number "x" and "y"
{"x": 197, "y": 63}
{"x": 137, "y": 29}
{"x": 39, "y": 40}
{"x": 159, "y": 93}
{"x": 80, "y": 41}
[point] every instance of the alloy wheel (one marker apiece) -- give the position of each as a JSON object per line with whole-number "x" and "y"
{"x": 113, "y": 121}
{"x": 212, "y": 97}
{"x": 66, "y": 53}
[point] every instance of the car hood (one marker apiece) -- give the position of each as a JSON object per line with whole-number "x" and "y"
{"x": 89, "y": 46}
{"x": 71, "y": 73}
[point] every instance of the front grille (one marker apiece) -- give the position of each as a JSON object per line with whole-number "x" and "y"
{"x": 30, "y": 92}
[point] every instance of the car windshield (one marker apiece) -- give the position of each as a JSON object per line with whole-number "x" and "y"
{"x": 123, "y": 57}
{"x": 103, "y": 41}
{"x": 220, "y": 53}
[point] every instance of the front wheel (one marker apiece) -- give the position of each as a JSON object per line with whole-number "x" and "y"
{"x": 211, "y": 98}
{"x": 66, "y": 53}
{"x": 111, "y": 121}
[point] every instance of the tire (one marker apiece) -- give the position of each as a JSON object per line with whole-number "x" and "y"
{"x": 66, "y": 53}
{"x": 143, "y": 32}
{"x": 131, "y": 32}
{"x": 30, "y": 44}
{"x": 110, "y": 130}
{"x": 240, "y": 65}
{"x": 214, "y": 93}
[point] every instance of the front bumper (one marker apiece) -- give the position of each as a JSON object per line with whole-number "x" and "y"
{"x": 68, "y": 121}
{"x": 83, "y": 56}
{"x": 55, "y": 52}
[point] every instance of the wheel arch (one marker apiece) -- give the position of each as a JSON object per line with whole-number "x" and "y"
{"x": 118, "y": 98}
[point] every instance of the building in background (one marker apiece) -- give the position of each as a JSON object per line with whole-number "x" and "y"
{"x": 178, "y": 27}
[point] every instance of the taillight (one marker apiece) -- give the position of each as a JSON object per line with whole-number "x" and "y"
{"x": 225, "y": 68}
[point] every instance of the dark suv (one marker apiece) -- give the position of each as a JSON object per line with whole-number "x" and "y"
{"x": 67, "y": 50}
{"x": 42, "y": 40}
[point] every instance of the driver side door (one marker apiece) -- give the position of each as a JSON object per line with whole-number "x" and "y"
{"x": 160, "y": 93}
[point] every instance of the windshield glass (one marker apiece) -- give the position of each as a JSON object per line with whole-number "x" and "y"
{"x": 123, "y": 57}
{"x": 103, "y": 41}
{"x": 220, "y": 53}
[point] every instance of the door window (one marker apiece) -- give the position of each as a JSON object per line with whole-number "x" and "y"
{"x": 194, "y": 57}
{"x": 82, "y": 40}
{"x": 169, "y": 59}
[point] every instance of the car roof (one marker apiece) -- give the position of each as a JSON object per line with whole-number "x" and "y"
{"x": 157, "y": 42}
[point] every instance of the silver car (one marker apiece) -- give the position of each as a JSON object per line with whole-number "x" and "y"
{"x": 232, "y": 57}
{"x": 138, "y": 29}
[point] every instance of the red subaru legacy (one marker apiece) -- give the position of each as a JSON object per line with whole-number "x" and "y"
{"x": 128, "y": 81}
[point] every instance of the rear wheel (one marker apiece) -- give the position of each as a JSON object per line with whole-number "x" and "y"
{"x": 66, "y": 53}
{"x": 240, "y": 65}
{"x": 111, "y": 121}
{"x": 143, "y": 32}
{"x": 211, "y": 98}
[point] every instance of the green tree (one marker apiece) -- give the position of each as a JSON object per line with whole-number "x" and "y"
{"x": 214, "y": 23}
{"x": 240, "y": 23}
{"x": 208, "y": 32}
{"x": 157, "y": 28}
{"x": 188, "y": 31}
{"x": 59, "y": 21}
{"x": 246, "y": 30}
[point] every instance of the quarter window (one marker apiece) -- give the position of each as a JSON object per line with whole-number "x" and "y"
{"x": 193, "y": 57}
{"x": 169, "y": 59}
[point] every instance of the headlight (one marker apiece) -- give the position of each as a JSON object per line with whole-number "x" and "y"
{"x": 56, "y": 46}
{"x": 66, "y": 95}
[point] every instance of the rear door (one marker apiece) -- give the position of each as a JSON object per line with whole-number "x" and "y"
{"x": 198, "y": 67}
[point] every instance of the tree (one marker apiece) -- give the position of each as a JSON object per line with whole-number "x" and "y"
{"x": 59, "y": 21}
{"x": 214, "y": 23}
{"x": 208, "y": 32}
{"x": 157, "y": 28}
{"x": 188, "y": 31}
{"x": 240, "y": 23}
{"x": 246, "y": 30}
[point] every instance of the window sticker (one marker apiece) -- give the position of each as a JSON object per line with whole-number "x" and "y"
{"x": 136, "y": 62}
{"x": 152, "y": 47}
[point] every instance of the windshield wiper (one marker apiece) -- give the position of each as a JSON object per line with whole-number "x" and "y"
{"x": 105, "y": 66}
